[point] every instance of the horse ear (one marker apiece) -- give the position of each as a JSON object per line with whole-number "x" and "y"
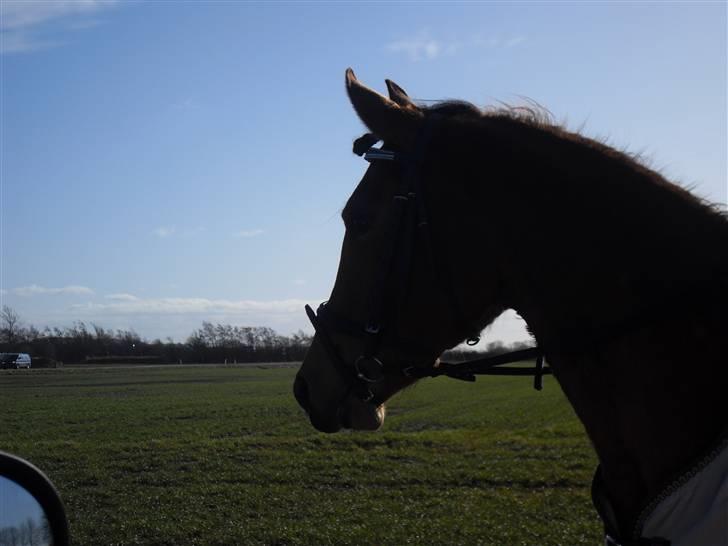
{"x": 399, "y": 95}
{"x": 384, "y": 117}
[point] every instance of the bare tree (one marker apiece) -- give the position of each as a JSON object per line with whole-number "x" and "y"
{"x": 10, "y": 325}
{"x": 29, "y": 531}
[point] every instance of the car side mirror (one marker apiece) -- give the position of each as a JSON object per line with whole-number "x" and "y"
{"x": 31, "y": 512}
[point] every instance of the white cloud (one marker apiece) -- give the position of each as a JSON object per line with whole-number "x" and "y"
{"x": 177, "y": 317}
{"x": 35, "y": 290}
{"x": 22, "y": 22}
{"x": 299, "y": 282}
{"x": 164, "y": 231}
{"x": 127, "y": 304}
{"x": 82, "y": 25}
{"x": 247, "y": 233}
{"x": 187, "y": 103}
{"x": 514, "y": 41}
{"x": 18, "y": 42}
{"x": 423, "y": 46}
{"x": 121, "y": 297}
{"x": 3, "y": 292}
{"x": 28, "y": 13}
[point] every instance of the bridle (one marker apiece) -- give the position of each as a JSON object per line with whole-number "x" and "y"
{"x": 408, "y": 223}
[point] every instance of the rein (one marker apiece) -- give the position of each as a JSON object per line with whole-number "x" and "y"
{"x": 409, "y": 219}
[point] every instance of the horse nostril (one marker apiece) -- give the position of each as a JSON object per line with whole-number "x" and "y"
{"x": 300, "y": 391}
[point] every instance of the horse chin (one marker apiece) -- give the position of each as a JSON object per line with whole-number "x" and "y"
{"x": 354, "y": 414}
{"x": 359, "y": 415}
{"x": 325, "y": 425}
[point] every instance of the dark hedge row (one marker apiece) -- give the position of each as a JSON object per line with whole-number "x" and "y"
{"x": 83, "y": 343}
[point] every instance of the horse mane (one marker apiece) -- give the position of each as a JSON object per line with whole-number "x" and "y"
{"x": 536, "y": 116}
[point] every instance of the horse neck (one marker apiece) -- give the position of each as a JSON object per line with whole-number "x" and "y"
{"x": 591, "y": 248}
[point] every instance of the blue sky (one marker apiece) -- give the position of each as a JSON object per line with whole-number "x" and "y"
{"x": 165, "y": 163}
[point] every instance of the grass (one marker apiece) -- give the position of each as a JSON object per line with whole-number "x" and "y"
{"x": 205, "y": 455}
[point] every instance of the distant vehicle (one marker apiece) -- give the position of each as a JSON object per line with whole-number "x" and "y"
{"x": 14, "y": 360}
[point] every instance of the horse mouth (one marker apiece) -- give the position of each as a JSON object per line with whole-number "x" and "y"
{"x": 358, "y": 415}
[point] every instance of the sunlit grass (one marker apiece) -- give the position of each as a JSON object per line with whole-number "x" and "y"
{"x": 225, "y": 456}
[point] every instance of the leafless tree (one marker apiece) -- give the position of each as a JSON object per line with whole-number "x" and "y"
{"x": 10, "y": 325}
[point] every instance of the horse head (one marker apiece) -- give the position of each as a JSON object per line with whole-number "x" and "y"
{"x": 395, "y": 306}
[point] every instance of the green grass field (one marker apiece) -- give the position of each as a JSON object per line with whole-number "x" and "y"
{"x": 205, "y": 455}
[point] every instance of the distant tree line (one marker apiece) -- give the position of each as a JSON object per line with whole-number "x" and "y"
{"x": 92, "y": 343}
{"x": 211, "y": 343}
{"x": 28, "y": 533}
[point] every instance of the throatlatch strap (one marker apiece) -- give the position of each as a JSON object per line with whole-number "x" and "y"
{"x": 466, "y": 371}
{"x": 538, "y": 376}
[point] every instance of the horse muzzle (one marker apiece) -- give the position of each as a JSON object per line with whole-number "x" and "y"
{"x": 351, "y": 413}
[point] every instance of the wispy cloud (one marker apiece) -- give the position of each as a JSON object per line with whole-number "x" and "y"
{"x": 3, "y": 292}
{"x": 514, "y": 41}
{"x": 25, "y": 24}
{"x": 423, "y": 46}
{"x": 164, "y": 231}
{"x": 19, "y": 42}
{"x": 84, "y": 24}
{"x": 247, "y": 233}
{"x": 178, "y": 317}
{"x": 128, "y": 304}
{"x": 121, "y": 297}
{"x": 195, "y": 231}
{"x": 299, "y": 282}
{"x": 187, "y": 103}
{"x": 35, "y": 290}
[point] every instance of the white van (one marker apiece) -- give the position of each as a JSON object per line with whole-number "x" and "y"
{"x": 14, "y": 360}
